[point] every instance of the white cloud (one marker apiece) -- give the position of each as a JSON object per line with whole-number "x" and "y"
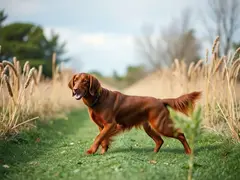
{"x": 93, "y": 39}
{"x": 98, "y": 51}
{"x": 94, "y": 15}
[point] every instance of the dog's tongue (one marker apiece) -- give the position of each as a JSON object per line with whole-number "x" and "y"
{"x": 78, "y": 96}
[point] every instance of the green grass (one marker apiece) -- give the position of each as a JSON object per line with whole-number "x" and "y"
{"x": 60, "y": 155}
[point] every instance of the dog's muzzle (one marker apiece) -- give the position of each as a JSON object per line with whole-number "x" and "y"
{"x": 77, "y": 94}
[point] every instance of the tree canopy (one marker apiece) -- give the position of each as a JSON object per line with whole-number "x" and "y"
{"x": 27, "y": 42}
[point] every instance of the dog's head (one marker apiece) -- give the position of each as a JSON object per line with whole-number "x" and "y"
{"x": 83, "y": 84}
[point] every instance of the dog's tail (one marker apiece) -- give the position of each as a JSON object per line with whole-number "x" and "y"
{"x": 184, "y": 103}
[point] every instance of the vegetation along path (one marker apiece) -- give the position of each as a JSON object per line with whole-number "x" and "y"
{"x": 55, "y": 150}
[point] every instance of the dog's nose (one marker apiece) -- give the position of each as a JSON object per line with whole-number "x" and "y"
{"x": 76, "y": 90}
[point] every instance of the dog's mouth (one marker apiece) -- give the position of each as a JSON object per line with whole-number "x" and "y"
{"x": 78, "y": 96}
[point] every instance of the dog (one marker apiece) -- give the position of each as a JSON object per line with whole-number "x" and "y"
{"x": 114, "y": 112}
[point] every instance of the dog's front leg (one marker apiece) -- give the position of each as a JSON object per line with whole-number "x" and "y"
{"x": 104, "y": 133}
{"x": 105, "y": 142}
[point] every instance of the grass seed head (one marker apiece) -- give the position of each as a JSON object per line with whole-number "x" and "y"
{"x": 206, "y": 57}
{"x": 15, "y": 61}
{"x": 39, "y": 75}
{"x": 11, "y": 66}
{"x": 235, "y": 69}
{"x": 4, "y": 70}
{"x": 199, "y": 63}
{"x": 236, "y": 54}
{"x": 26, "y": 67}
{"x": 190, "y": 69}
{"x": 1, "y": 67}
{"x": 30, "y": 76}
{"x": 9, "y": 88}
{"x": 18, "y": 67}
{"x": 218, "y": 65}
{"x": 215, "y": 44}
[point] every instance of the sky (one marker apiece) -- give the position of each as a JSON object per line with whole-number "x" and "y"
{"x": 101, "y": 34}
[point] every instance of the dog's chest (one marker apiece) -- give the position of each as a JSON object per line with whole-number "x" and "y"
{"x": 97, "y": 119}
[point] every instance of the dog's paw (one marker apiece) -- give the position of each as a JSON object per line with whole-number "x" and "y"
{"x": 103, "y": 151}
{"x": 189, "y": 152}
{"x": 90, "y": 151}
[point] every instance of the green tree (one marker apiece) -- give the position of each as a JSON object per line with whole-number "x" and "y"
{"x": 23, "y": 40}
{"x": 27, "y": 42}
{"x": 52, "y": 45}
{"x": 3, "y": 17}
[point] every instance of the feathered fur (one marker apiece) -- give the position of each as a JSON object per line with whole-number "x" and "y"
{"x": 184, "y": 103}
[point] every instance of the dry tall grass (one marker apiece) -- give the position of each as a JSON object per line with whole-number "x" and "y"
{"x": 221, "y": 105}
{"x": 216, "y": 77}
{"x": 26, "y": 96}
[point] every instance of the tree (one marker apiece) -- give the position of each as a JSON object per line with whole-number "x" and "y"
{"x": 3, "y": 17}
{"x": 175, "y": 41}
{"x": 222, "y": 20}
{"x": 27, "y": 42}
{"x": 53, "y": 45}
{"x": 23, "y": 40}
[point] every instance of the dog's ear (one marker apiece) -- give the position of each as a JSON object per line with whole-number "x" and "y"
{"x": 70, "y": 84}
{"x": 94, "y": 85}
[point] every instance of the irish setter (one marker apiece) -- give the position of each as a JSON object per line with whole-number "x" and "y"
{"x": 114, "y": 112}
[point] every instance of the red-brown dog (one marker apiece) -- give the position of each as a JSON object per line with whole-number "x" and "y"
{"x": 115, "y": 112}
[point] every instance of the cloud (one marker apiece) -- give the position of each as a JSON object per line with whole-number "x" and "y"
{"x": 97, "y": 16}
{"x": 104, "y": 52}
{"x": 93, "y": 39}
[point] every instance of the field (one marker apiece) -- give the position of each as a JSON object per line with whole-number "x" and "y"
{"x": 55, "y": 150}
{"x": 44, "y": 131}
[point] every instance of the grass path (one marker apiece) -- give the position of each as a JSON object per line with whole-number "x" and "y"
{"x": 55, "y": 150}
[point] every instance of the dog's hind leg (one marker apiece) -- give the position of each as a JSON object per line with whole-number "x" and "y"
{"x": 165, "y": 127}
{"x": 155, "y": 136}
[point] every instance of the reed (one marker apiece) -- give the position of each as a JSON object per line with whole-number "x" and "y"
{"x": 217, "y": 78}
{"x": 26, "y": 96}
